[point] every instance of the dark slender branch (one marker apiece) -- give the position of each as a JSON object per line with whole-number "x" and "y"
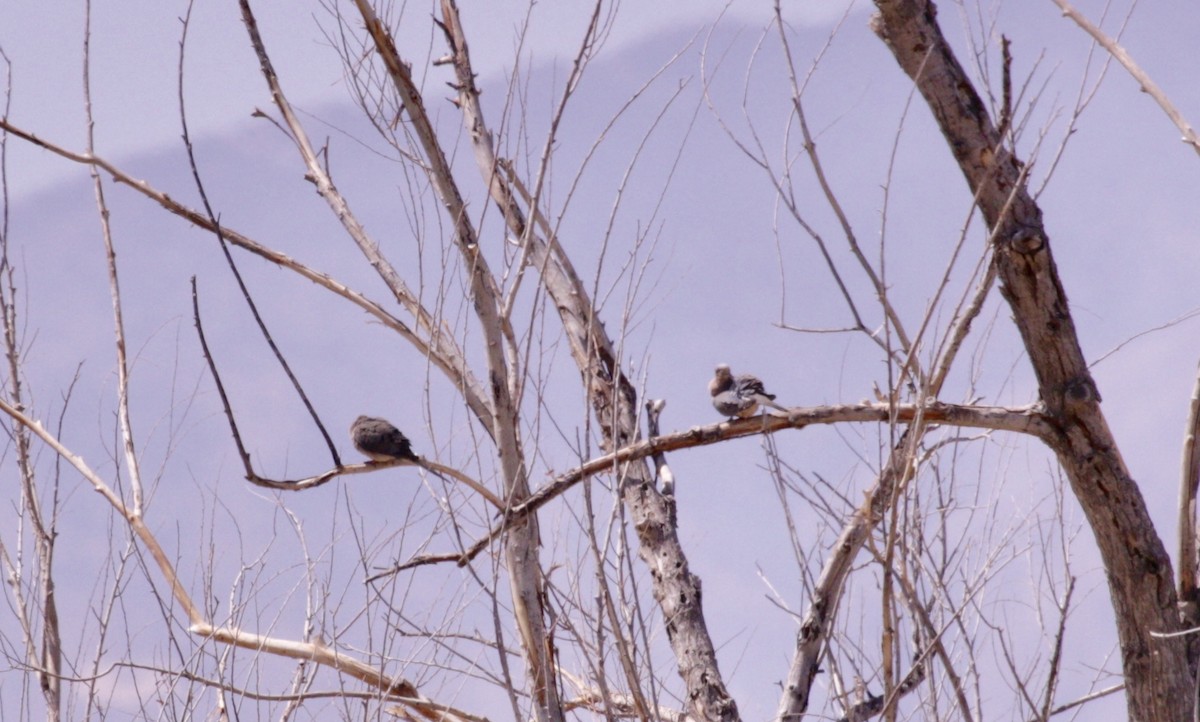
{"x": 212, "y": 367}
{"x": 438, "y": 347}
{"x": 320, "y": 479}
{"x": 216, "y": 225}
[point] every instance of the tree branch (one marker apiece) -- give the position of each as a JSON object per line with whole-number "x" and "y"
{"x": 439, "y": 347}
{"x": 1026, "y": 420}
{"x": 1189, "y": 482}
{"x": 521, "y": 549}
{"x": 1125, "y": 59}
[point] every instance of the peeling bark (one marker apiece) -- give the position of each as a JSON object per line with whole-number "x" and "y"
{"x": 614, "y": 404}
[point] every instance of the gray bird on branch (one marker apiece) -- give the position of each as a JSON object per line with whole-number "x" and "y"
{"x": 739, "y": 396}
{"x": 380, "y": 441}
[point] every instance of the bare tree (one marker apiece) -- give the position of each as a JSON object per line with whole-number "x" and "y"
{"x": 539, "y": 570}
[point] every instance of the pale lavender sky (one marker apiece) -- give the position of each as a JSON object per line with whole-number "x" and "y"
{"x": 1120, "y": 211}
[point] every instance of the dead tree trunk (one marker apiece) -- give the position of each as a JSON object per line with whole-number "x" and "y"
{"x": 1158, "y": 679}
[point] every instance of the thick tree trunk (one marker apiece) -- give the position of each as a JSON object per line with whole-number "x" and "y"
{"x": 1159, "y": 682}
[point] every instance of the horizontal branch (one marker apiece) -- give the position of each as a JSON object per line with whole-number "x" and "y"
{"x": 393, "y": 688}
{"x": 310, "y": 482}
{"x": 446, "y": 472}
{"x": 1023, "y": 420}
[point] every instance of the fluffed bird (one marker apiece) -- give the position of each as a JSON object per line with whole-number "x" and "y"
{"x": 739, "y": 396}
{"x": 380, "y": 441}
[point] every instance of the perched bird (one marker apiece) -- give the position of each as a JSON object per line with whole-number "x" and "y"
{"x": 379, "y": 440}
{"x": 739, "y": 396}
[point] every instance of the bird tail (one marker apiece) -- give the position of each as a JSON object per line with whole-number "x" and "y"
{"x": 767, "y": 400}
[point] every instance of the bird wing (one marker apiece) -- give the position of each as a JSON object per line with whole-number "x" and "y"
{"x": 730, "y": 403}
{"x": 751, "y": 387}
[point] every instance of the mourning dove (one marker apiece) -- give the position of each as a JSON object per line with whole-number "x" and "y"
{"x": 739, "y": 396}
{"x": 380, "y": 441}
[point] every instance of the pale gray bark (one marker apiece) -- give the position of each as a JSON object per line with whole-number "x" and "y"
{"x": 614, "y": 403}
{"x": 521, "y": 548}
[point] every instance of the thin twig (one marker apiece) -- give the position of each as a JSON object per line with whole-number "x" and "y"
{"x": 1087, "y": 698}
{"x": 110, "y": 256}
{"x": 1060, "y": 634}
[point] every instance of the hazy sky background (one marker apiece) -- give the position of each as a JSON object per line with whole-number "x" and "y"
{"x": 724, "y": 269}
